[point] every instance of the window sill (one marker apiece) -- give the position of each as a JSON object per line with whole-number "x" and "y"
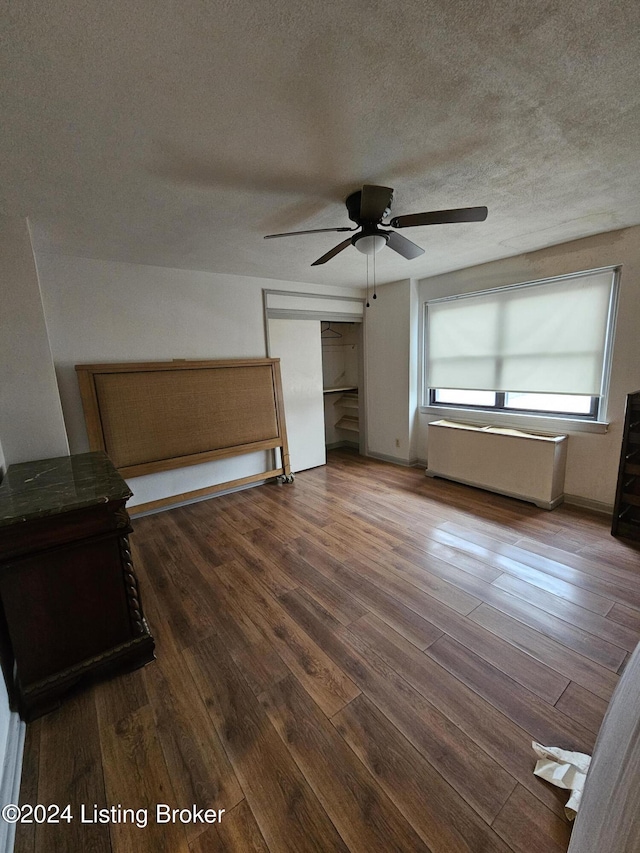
{"x": 543, "y": 423}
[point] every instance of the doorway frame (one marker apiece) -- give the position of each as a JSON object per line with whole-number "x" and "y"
{"x": 335, "y": 315}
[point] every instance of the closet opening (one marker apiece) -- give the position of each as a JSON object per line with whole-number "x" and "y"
{"x": 342, "y": 384}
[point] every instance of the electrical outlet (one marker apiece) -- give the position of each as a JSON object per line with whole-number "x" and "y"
{"x": 397, "y": 442}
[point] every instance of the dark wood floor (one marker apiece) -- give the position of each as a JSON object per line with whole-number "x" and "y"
{"x": 358, "y": 661}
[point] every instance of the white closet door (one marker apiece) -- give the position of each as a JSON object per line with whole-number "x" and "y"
{"x": 297, "y": 344}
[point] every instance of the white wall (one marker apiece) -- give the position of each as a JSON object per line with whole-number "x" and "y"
{"x": 5, "y": 713}
{"x": 10, "y": 748}
{"x": 31, "y": 427}
{"x": 31, "y": 423}
{"x": 390, "y": 375}
{"x": 414, "y": 372}
{"x": 592, "y": 461}
{"x": 105, "y": 311}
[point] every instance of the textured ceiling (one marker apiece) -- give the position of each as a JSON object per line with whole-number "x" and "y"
{"x": 179, "y": 133}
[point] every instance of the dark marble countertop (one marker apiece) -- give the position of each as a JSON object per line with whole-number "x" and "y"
{"x": 53, "y": 486}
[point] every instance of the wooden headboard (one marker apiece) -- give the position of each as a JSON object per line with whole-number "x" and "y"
{"x": 154, "y": 416}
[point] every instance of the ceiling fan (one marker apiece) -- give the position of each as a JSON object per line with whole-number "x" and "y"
{"x": 368, "y": 207}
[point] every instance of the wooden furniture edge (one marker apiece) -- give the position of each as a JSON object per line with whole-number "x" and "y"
{"x": 282, "y": 428}
{"x": 201, "y": 493}
{"x": 176, "y": 364}
{"x": 197, "y": 458}
{"x": 91, "y": 408}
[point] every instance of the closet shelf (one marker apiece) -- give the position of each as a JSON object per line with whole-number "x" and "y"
{"x": 348, "y": 401}
{"x": 349, "y": 423}
{"x": 340, "y": 388}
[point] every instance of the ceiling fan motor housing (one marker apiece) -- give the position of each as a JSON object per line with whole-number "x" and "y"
{"x": 353, "y": 203}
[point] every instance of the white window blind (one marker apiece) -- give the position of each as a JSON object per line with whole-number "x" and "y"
{"x": 547, "y": 337}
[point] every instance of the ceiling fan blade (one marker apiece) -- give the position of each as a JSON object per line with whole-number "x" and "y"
{"x": 312, "y": 231}
{"x": 403, "y": 246}
{"x": 374, "y": 202}
{"x": 333, "y": 252}
{"x": 440, "y": 217}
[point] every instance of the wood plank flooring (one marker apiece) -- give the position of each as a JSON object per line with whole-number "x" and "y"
{"x": 355, "y": 662}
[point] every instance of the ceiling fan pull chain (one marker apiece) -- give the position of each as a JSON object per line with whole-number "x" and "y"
{"x": 374, "y": 277}
{"x": 368, "y": 305}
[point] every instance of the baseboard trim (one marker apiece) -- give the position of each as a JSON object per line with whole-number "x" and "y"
{"x": 337, "y": 444}
{"x": 395, "y": 460}
{"x": 11, "y": 776}
{"x": 588, "y": 503}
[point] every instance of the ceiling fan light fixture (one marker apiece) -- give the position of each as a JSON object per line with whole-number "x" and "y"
{"x": 369, "y": 244}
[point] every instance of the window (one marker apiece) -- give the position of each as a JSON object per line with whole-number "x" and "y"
{"x": 541, "y": 347}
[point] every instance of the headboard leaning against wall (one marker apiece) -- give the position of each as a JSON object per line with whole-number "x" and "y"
{"x": 154, "y": 416}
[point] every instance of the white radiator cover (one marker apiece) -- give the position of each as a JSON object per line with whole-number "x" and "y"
{"x": 519, "y": 464}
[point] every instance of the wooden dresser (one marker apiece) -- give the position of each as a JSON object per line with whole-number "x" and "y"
{"x": 68, "y": 590}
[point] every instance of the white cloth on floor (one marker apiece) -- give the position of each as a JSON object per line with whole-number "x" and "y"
{"x": 564, "y": 769}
